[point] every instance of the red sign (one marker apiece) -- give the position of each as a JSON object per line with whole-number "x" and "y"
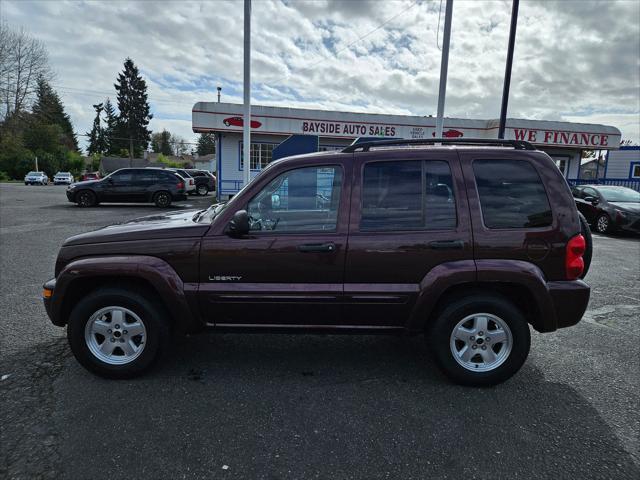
{"x": 555, "y": 137}
{"x": 354, "y": 129}
{"x": 239, "y": 122}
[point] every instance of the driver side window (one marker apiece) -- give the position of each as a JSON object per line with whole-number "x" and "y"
{"x": 300, "y": 200}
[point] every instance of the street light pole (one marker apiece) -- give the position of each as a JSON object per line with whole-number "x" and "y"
{"x": 444, "y": 65}
{"x": 246, "y": 131}
{"x": 507, "y": 71}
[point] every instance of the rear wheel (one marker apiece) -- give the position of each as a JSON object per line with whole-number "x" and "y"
{"x": 202, "y": 189}
{"x": 86, "y": 198}
{"x": 480, "y": 340}
{"x": 117, "y": 333}
{"x": 162, "y": 199}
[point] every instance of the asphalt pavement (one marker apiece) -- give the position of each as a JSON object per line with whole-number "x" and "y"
{"x": 306, "y": 406}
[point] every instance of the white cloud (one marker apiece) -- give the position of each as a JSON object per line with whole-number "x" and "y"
{"x": 576, "y": 61}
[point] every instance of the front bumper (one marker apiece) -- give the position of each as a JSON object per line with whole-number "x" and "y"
{"x": 50, "y": 286}
{"x": 70, "y": 195}
{"x": 628, "y": 223}
{"x": 570, "y": 300}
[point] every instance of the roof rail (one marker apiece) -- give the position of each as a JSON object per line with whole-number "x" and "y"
{"x": 365, "y": 146}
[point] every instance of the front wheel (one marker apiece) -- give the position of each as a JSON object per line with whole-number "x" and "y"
{"x": 162, "y": 199}
{"x": 603, "y": 223}
{"x": 86, "y": 198}
{"x": 117, "y": 333}
{"x": 480, "y": 340}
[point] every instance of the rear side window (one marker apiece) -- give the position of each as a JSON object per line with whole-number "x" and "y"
{"x": 410, "y": 195}
{"x": 511, "y": 194}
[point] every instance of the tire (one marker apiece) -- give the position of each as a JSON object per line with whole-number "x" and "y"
{"x": 202, "y": 189}
{"x": 603, "y": 223}
{"x": 26, "y": 183}
{"x": 585, "y": 230}
{"x": 509, "y": 355}
{"x": 86, "y": 198}
{"x": 162, "y": 199}
{"x": 127, "y": 355}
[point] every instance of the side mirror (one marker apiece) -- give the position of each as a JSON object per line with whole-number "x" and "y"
{"x": 239, "y": 224}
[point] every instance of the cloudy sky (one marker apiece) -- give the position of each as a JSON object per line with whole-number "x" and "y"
{"x": 574, "y": 60}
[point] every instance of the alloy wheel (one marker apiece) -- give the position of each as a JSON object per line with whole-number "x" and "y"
{"x": 115, "y": 335}
{"x": 602, "y": 225}
{"x": 481, "y": 342}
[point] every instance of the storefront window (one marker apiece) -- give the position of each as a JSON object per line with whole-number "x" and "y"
{"x": 261, "y": 155}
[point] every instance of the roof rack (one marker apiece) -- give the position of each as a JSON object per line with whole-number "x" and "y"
{"x": 365, "y": 146}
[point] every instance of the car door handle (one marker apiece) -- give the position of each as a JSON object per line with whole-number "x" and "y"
{"x": 317, "y": 247}
{"x": 447, "y": 245}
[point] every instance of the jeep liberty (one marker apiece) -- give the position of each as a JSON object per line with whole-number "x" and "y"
{"x": 467, "y": 241}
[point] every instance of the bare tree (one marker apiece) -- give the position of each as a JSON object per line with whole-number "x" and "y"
{"x": 23, "y": 59}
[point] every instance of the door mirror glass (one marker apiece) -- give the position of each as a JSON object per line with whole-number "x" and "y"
{"x": 239, "y": 224}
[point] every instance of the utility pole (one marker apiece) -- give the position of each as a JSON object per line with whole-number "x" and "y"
{"x": 507, "y": 71}
{"x": 246, "y": 131}
{"x": 37, "y": 165}
{"x": 444, "y": 65}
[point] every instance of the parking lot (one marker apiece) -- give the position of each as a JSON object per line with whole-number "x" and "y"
{"x": 308, "y": 406}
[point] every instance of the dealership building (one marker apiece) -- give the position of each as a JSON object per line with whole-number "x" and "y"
{"x": 320, "y": 130}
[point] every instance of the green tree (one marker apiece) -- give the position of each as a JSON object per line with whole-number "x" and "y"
{"x": 161, "y": 142}
{"x": 48, "y": 110}
{"x": 97, "y": 142}
{"x": 111, "y": 121}
{"x": 206, "y": 144}
{"x": 134, "y": 110}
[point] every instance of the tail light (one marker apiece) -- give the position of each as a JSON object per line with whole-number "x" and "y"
{"x": 180, "y": 185}
{"x": 573, "y": 261}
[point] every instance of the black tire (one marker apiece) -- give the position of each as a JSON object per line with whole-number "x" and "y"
{"x": 603, "y": 223}
{"x": 585, "y": 230}
{"x": 440, "y": 331}
{"x": 86, "y": 198}
{"x": 153, "y": 318}
{"x": 26, "y": 183}
{"x": 202, "y": 189}
{"x": 162, "y": 199}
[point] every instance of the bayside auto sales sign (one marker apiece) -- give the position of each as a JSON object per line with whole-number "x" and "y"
{"x": 226, "y": 117}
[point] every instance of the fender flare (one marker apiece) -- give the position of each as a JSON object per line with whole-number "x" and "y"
{"x": 153, "y": 270}
{"x": 483, "y": 273}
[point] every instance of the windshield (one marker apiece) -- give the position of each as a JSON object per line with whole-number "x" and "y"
{"x": 33, "y": 173}
{"x": 619, "y": 194}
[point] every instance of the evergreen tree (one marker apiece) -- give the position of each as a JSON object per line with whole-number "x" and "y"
{"x": 48, "y": 110}
{"x": 206, "y": 144}
{"x": 97, "y": 143}
{"x": 134, "y": 111}
{"x": 111, "y": 121}
{"x": 162, "y": 143}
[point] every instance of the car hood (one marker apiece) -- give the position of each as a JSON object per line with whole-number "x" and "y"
{"x": 631, "y": 207}
{"x": 166, "y": 225}
{"x": 86, "y": 183}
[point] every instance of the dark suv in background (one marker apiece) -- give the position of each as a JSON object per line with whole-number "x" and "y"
{"x": 469, "y": 242}
{"x": 129, "y": 185}
{"x": 205, "y": 181}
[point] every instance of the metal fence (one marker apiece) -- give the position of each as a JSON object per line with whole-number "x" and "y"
{"x": 618, "y": 182}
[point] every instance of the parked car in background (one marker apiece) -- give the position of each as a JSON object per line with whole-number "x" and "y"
{"x": 36, "y": 178}
{"x": 390, "y": 237}
{"x": 189, "y": 181}
{"x": 130, "y": 185}
{"x": 205, "y": 181}
{"x": 63, "y": 178}
{"x": 90, "y": 176}
{"x": 609, "y": 208}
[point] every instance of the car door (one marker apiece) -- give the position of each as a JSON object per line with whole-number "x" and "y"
{"x": 408, "y": 216}
{"x": 289, "y": 269}
{"x": 588, "y": 208}
{"x": 117, "y": 187}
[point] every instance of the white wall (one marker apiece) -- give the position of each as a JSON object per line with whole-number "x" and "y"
{"x": 619, "y": 162}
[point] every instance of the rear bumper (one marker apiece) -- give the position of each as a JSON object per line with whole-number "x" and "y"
{"x": 569, "y": 301}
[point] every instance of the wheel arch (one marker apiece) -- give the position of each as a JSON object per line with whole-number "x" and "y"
{"x": 150, "y": 275}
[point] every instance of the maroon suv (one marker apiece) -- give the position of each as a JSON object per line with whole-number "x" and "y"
{"x": 469, "y": 242}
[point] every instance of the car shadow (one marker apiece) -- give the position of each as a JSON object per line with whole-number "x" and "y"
{"x": 284, "y": 406}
